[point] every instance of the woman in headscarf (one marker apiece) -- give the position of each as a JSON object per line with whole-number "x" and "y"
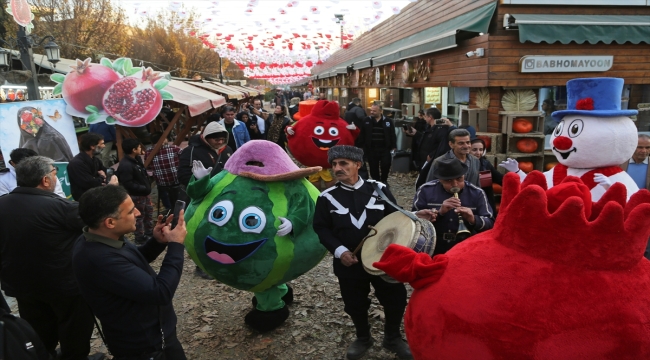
{"x": 478, "y": 150}
{"x": 38, "y": 135}
{"x": 276, "y": 123}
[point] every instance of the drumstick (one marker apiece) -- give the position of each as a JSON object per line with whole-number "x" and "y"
{"x": 364, "y": 239}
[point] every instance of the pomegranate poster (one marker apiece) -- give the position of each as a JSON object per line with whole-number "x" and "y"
{"x": 42, "y": 126}
{"x": 113, "y": 91}
{"x": 22, "y": 14}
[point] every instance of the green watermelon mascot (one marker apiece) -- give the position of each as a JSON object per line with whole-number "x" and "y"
{"x": 250, "y": 227}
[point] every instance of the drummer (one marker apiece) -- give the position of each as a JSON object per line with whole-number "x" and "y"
{"x": 437, "y": 199}
{"x": 343, "y": 213}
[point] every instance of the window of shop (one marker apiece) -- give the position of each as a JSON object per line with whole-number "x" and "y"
{"x": 372, "y": 95}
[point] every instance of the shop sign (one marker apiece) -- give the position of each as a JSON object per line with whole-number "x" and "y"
{"x": 551, "y": 64}
{"x": 432, "y": 95}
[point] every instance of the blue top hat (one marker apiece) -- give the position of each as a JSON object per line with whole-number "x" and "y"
{"x": 600, "y": 97}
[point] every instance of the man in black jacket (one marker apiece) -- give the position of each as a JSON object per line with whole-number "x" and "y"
{"x": 133, "y": 176}
{"x": 379, "y": 138}
{"x": 210, "y": 148}
{"x": 37, "y": 231}
{"x": 133, "y": 303}
{"x": 86, "y": 170}
{"x": 343, "y": 213}
{"x": 432, "y": 142}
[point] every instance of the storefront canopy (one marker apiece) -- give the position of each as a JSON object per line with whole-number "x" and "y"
{"x": 439, "y": 37}
{"x": 253, "y": 90}
{"x": 197, "y": 100}
{"x": 552, "y": 28}
{"x": 223, "y": 90}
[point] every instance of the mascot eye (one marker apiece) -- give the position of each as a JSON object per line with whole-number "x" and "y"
{"x": 221, "y": 213}
{"x": 575, "y": 128}
{"x": 334, "y": 131}
{"x": 319, "y": 130}
{"x": 558, "y": 129}
{"x": 252, "y": 220}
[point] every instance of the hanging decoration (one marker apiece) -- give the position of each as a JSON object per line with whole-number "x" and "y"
{"x": 279, "y": 36}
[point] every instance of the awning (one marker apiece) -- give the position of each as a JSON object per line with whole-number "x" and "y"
{"x": 231, "y": 94}
{"x": 63, "y": 66}
{"x": 593, "y": 29}
{"x": 342, "y": 70}
{"x": 440, "y": 37}
{"x": 362, "y": 64}
{"x": 248, "y": 92}
{"x": 252, "y": 90}
{"x": 197, "y": 100}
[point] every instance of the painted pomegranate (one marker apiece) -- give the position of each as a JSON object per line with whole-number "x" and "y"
{"x": 86, "y": 84}
{"x": 558, "y": 277}
{"x": 134, "y": 101}
{"x": 21, "y": 12}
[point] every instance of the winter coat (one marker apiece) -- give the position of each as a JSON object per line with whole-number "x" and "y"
{"x": 240, "y": 132}
{"x": 198, "y": 149}
{"x": 133, "y": 176}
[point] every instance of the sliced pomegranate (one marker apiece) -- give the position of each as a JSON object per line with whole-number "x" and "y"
{"x": 134, "y": 101}
{"x": 86, "y": 84}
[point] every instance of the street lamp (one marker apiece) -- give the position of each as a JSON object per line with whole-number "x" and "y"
{"x": 25, "y": 43}
{"x": 340, "y": 21}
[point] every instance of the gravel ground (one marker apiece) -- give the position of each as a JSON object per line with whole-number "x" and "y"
{"x": 211, "y": 314}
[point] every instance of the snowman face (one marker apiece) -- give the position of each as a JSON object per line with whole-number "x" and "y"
{"x": 586, "y": 142}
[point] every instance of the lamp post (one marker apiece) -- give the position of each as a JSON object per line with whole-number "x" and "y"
{"x": 25, "y": 43}
{"x": 340, "y": 18}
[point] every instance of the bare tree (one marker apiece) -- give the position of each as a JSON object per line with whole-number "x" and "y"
{"x": 83, "y": 28}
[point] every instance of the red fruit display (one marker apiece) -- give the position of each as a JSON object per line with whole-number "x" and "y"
{"x": 526, "y": 166}
{"x": 134, "y": 101}
{"x": 86, "y": 84}
{"x": 572, "y": 284}
{"x": 527, "y": 145}
{"x": 522, "y": 126}
{"x": 487, "y": 140}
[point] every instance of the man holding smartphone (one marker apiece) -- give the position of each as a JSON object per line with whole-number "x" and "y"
{"x": 132, "y": 302}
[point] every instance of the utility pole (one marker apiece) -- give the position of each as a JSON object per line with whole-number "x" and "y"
{"x": 340, "y": 18}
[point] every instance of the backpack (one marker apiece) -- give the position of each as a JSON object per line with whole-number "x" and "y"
{"x": 18, "y": 340}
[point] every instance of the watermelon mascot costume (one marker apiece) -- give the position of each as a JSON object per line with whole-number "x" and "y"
{"x": 249, "y": 227}
{"x": 558, "y": 277}
{"x": 310, "y": 138}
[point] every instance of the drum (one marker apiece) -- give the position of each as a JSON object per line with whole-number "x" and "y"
{"x": 399, "y": 229}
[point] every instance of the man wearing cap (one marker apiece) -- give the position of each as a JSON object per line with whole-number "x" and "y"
{"x": 438, "y": 196}
{"x": 210, "y": 148}
{"x": 343, "y": 213}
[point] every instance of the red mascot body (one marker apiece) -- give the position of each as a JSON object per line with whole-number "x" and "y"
{"x": 316, "y": 133}
{"x": 559, "y": 277}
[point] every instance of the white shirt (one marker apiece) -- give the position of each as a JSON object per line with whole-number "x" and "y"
{"x": 644, "y": 161}
{"x": 261, "y": 124}
{"x": 8, "y": 183}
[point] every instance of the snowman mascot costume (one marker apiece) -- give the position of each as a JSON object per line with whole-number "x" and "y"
{"x": 593, "y": 136}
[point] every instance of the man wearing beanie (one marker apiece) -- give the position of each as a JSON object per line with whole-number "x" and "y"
{"x": 211, "y": 149}
{"x": 343, "y": 213}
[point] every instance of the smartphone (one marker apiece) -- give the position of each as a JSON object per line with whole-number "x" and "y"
{"x": 109, "y": 174}
{"x": 180, "y": 205}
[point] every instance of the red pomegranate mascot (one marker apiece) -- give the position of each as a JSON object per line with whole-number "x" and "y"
{"x": 310, "y": 138}
{"x": 559, "y": 277}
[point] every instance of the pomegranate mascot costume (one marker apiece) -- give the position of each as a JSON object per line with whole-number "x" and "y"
{"x": 558, "y": 277}
{"x": 592, "y": 138}
{"x": 310, "y": 138}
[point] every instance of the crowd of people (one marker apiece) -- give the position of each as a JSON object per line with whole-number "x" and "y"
{"x": 67, "y": 262}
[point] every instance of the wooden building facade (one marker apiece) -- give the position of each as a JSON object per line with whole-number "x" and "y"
{"x": 445, "y": 53}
